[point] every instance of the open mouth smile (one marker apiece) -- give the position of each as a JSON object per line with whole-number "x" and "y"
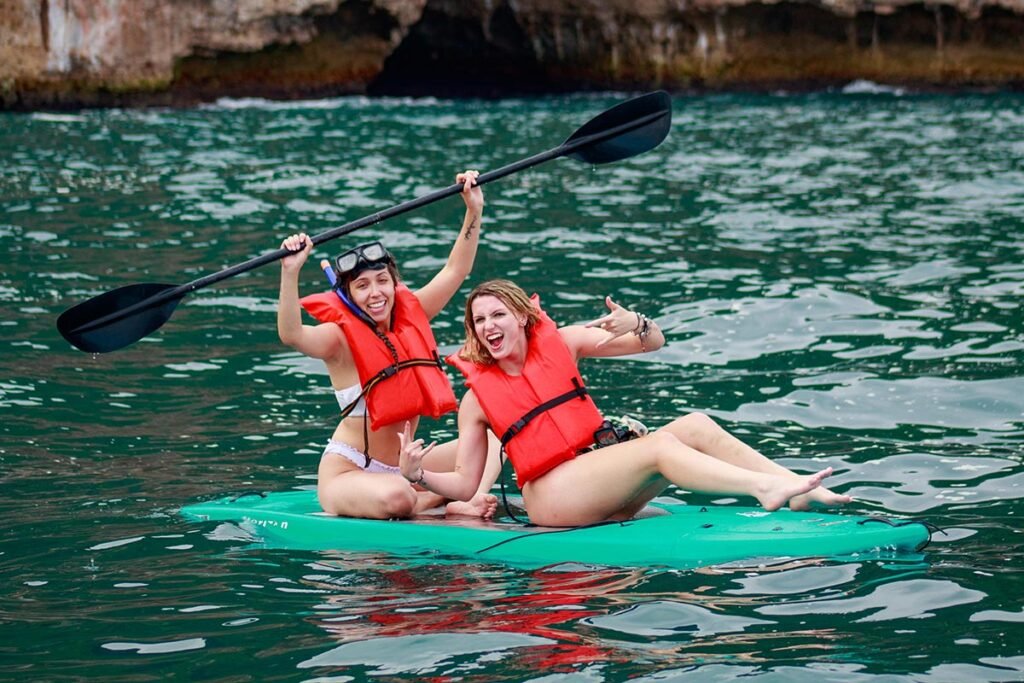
{"x": 494, "y": 340}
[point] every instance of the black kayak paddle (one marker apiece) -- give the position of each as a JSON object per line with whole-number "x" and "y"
{"x": 122, "y": 316}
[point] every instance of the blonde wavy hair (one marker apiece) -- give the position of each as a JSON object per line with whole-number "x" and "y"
{"x": 510, "y": 294}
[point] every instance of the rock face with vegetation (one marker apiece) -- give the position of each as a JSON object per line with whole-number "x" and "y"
{"x": 103, "y": 52}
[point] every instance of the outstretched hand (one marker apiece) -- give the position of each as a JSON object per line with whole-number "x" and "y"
{"x": 410, "y": 457}
{"x": 618, "y": 322}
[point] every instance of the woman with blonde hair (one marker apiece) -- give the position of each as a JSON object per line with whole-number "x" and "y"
{"x": 574, "y": 467}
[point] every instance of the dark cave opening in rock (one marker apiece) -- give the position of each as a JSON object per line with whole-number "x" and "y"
{"x": 465, "y": 55}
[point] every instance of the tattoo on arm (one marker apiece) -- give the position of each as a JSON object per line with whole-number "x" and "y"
{"x": 471, "y": 227}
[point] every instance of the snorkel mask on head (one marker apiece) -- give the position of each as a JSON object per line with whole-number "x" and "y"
{"x": 369, "y": 256}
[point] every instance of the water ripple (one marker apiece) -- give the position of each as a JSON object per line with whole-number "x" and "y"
{"x": 838, "y": 275}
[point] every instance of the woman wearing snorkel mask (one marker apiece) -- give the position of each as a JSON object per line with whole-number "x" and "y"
{"x": 374, "y": 336}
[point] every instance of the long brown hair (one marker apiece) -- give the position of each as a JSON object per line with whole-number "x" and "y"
{"x": 510, "y": 294}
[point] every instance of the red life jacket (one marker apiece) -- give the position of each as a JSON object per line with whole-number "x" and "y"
{"x": 543, "y": 416}
{"x": 397, "y": 387}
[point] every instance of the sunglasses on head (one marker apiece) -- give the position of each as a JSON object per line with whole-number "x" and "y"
{"x": 369, "y": 256}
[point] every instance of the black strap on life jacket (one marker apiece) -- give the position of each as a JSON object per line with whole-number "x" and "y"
{"x": 579, "y": 392}
{"x": 391, "y": 371}
{"x": 504, "y": 496}
{"x": 383, "y": 374}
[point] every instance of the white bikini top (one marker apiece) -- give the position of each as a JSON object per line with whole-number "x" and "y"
{"x": 347, "y": 395}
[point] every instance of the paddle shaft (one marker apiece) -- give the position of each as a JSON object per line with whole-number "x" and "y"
{"x": 213, "y": 278}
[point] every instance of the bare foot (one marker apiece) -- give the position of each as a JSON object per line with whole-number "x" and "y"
{"x": 776, "y": 490}
{"x": 481, "y": 505}
{"x": 821, "y": 496}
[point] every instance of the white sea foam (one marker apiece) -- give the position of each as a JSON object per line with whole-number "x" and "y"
{"x": 347, "y": 102}
{"x": 57, "y": 118}
{"x": 864, "y": 87}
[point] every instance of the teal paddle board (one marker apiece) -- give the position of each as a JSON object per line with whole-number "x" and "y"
{"x": 682, "y": 536}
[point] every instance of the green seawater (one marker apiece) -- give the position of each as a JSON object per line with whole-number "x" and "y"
{"x": 839, "y": 277}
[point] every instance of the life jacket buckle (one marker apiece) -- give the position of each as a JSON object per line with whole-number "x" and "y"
{"x": 513, "y": 429}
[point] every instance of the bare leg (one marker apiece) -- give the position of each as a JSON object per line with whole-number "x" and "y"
{"x": 702, "y": 433}
{"x": 347, "y": 490}
{"x": 641, "y": 499}
{"x": 609, "y": 481}
{"x": 483, "y": 503}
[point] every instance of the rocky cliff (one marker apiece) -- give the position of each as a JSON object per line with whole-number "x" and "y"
{"x": 102, "y": 52}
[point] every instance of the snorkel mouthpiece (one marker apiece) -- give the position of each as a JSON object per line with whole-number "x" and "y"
{"x": 325, "y": 266}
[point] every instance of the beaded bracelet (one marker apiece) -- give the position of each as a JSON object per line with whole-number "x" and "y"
{"x": 642, "y": 329}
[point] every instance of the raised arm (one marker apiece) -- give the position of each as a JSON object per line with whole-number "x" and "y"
{"x": 438, "y": 292}
{"x": 320, "y": 341}
{"x": 619, "y": 333}
{"x": 470, "y": 455}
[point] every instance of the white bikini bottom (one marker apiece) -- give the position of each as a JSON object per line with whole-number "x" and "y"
{"x": 357, "y": 457}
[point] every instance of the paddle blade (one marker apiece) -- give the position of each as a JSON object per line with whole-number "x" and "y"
{"x": 117, "y": 318}
{"x": 655, "y": 106}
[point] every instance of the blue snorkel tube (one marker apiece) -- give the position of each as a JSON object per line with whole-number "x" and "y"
{"x": 332, "y": 278}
